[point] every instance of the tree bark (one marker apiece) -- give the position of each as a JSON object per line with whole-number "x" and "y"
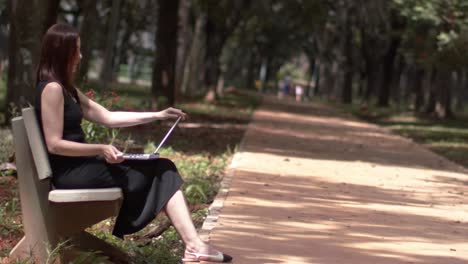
{"x": 26, "y": 30}
{"x": 431, "y": 101}
{"x": 107, "y": 73}
{"x": 417, "y": 82}
{"x": 347, "y": 93}
{"x": 460, "y": 90}
{"x": 183, "y": 45}
{"x": 192, "y": 73}
{"x": 214, "y": 44}
{"x": 443, "y": 107}
{"x": 87, "y": 35}
{"x": 388, "y": 67}
{"x": 166, "y": 51}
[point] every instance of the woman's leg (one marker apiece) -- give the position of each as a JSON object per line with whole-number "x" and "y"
{"x": 177, "y": 210}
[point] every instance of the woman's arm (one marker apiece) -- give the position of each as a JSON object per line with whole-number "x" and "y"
{"x": 52, "y": 123}
{"x": 95, "y": 112}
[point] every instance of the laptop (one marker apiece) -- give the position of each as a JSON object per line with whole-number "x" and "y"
{"x": 155, "y": 154}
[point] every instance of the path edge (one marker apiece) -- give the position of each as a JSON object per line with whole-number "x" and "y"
{"x": 215, "y": 208}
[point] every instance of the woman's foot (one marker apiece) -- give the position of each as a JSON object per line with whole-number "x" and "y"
{"x": 205, "y": 252}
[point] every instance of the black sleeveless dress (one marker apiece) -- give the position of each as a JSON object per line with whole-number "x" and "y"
{"x": 147, "y": 185}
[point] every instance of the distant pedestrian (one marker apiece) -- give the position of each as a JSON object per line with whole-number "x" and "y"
{"x": 299, "y": 91}
{"x": 280, "y": 89}
{"x": 287, "y": 85}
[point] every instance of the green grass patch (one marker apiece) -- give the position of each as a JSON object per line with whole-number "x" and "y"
{"x": 447, "y": 138}
{"x": 6, "y": 145}
{"x": 236, "y": 105}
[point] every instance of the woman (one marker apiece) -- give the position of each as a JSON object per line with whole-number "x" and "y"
{"x": 148, "y": 186}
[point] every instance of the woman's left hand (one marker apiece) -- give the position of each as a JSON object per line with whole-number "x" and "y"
{"x": 172, "y": 113}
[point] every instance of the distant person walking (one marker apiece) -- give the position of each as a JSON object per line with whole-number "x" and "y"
{"x": 280, "y": 89}
{"x": 287, "y": 85}
{"x": 298, "y": 91}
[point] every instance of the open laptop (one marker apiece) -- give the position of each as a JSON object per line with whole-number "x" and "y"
{"x": 153, "y": 155}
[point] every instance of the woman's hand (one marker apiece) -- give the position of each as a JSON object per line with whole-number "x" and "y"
{"x": 110, "y": 154}
{"x": 172, "y": 113}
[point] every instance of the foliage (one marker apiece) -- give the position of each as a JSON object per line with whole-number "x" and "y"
{"x": 438, "y": 31}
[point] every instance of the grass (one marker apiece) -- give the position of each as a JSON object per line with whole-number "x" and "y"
{"x": 6, "y": 145}
{"x": 200, "y": 161}
{"x": 448, "y": 138}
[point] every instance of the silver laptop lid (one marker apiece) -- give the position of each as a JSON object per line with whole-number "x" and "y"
{"x": 167, "y": 134}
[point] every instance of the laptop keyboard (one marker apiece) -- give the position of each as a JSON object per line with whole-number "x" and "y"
{"x": 141, "y": 156}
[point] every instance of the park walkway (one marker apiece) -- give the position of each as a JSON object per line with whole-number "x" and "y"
{"x": 313, "y": 185}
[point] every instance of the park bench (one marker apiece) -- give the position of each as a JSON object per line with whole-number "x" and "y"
{"x": 51, "y": 216}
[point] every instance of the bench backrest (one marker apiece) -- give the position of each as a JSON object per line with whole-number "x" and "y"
{"x": 33, "y": 172}
{"x": 36, "y": 143}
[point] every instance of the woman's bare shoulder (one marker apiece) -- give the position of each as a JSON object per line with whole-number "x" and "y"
{"x": 53, "y": 87}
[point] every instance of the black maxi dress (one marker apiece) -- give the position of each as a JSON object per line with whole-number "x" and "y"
{"x": 147, "y": 185}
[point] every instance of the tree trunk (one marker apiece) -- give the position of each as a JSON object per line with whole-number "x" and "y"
{"x": 372, "y": 78}
{"x": 191, "y": 74}
{"x": 26, "y": 30}
{"x": 417, "y": 82}
{"x": 166, "y": 50}
{"x": 388, "y": 67}
{"x": 443, "y": 107}
{"x": 87, "y": 35}
{"x": 311, "y": 72}
{"x": 397, "y": 81}
{"x": 51, "y": 13}
{"x": 214, "y": 44}
{"x": 431, "y": 101}
{"x": 460, "y": 90}
{"x": 107, "y": 73}
{"x": 183, "y": 45}
{"x": 347, "y": 94}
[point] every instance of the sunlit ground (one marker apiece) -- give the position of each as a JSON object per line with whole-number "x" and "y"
{"x": 313, "y": 189}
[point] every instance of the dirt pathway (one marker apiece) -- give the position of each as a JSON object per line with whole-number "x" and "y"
{"x": 311, "y": 185}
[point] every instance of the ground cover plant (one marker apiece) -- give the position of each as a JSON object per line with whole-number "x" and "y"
{"x": 201, "y": 147}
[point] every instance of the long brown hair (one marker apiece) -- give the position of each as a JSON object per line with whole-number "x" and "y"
{"x": 59, "y": 48}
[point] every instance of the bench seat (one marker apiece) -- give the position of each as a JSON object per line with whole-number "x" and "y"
{"x": 84, "y": 195}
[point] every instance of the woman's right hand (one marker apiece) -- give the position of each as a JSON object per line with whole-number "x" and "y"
{"x": 110, "y": 154}
{"x": 172, "y": 113}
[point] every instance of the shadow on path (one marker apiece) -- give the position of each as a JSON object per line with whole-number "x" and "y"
{"x": 312, "y": 186}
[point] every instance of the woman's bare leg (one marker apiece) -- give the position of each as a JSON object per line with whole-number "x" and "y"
{"x": 177, "y": 210}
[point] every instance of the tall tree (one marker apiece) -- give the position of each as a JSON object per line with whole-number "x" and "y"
{"x": 107, "y": 73}
{"x": 222, "y": 19}
{"x": 166, "y": 50}
{"x": 90, "y": 16}
{"x": 26, "y": 30}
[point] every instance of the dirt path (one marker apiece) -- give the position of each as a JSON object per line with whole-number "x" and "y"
{"x": 311, "y": 185}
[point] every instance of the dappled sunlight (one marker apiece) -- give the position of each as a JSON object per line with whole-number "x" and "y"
{"x": 305, "y": 118}
{"x": 321, "y": 190}
{"x": 391, "y": 228}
